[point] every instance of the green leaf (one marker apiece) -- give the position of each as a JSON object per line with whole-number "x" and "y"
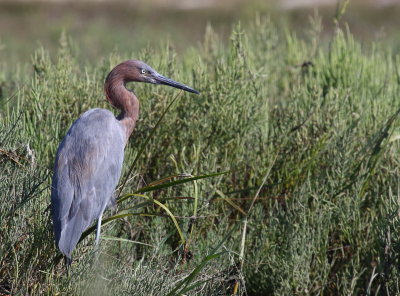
{"x": 167, "y": 185}
{"x": 193, "y": 274}
{"x": 186, "y": 281}
{"x": 127, "y": 213}
{"x": 125, "y": 240}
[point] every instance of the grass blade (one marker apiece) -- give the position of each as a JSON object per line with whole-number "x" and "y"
{"x": 193, "y": 274}
{"x": 167, "y": 185}
{"x": 186, "y": 281}
{"x": 127, "y": 213}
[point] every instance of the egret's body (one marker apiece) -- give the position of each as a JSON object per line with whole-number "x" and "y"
{"x": 89, "y": 159}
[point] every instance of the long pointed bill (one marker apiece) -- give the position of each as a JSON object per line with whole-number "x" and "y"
{"x": 166, "y": 81}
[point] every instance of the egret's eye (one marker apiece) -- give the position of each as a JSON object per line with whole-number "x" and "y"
{"x": 143, "y": 71}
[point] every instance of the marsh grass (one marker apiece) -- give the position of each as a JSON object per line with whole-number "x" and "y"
{"x": 319, "y": 119}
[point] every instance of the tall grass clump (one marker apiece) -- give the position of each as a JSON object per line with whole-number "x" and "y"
{"x": 307, "y": 130}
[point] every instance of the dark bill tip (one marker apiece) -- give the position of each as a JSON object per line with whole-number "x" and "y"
{"x": 166, "y": 81}
{"x": 189, "y": 89}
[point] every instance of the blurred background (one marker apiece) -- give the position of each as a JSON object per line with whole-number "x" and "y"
{"x": 99, "y": 27}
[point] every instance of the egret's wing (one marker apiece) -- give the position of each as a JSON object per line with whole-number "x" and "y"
{"x": 87, "y": 169}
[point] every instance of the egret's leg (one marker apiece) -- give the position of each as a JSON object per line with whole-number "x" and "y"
{"x": 98, "y": 230}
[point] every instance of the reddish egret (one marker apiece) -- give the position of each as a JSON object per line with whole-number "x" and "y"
{"x": 89, "y": 159}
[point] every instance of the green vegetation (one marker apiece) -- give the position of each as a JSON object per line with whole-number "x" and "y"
{"x": 308, "y": 130}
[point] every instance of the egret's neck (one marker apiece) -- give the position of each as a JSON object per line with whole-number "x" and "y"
{"x": 124, "y": 100}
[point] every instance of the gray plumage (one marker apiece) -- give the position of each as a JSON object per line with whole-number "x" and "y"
{"x": 87, "y": 168}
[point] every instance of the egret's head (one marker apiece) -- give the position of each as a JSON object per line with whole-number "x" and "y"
{"x": 134, "y": 70}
